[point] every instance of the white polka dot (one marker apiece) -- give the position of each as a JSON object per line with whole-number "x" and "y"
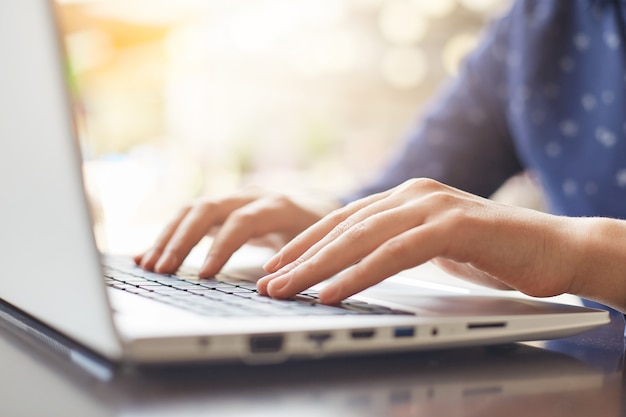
{"x": 570, "y": 187}
{"x": 608, "y": 97}
{"x": 606, "y": 137}
{"x": 591, "y": 188}
{"x": 553, "y": 149}
{"x": 567, "y": 64}
{"x": 581, "y": 41}
{"x": 569, "y": 128}
{"x": 621, "y": 178}
{"x": 612, "y": 40}
{"x": 589, "y": 102}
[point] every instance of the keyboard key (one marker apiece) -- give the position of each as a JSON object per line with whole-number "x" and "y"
{"x": 218, "y": 298}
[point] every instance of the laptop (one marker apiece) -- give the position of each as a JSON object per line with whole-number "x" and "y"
{"x": 53, "y": 275}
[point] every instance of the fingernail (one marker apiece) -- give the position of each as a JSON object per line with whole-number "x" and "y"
{"x": 328, "y": 294}
{"x": 277, "y": 285}
{"x": 209, "y": 267}
{"x": 165, "y": 263}
{"x": 146, "y": 259}
{"x": 261, "y": 284}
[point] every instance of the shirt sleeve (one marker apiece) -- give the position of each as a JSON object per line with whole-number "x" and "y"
{"x": 463, "y": 139}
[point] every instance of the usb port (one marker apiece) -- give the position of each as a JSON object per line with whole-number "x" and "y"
{"x": 404, "y": 332}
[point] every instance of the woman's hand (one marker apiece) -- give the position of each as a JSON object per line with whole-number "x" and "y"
{"x": 472, "y": 237}
{"x": 252, "y": 215}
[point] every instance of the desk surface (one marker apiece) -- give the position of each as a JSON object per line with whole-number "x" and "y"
{"x": 577, "y": 376}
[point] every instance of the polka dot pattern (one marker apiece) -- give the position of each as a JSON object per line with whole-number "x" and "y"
{"x": 545, "y": 91}
{"x": 574, "y": 76}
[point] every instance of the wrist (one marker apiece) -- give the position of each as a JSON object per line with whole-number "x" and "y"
{"x": 599, "y": 260}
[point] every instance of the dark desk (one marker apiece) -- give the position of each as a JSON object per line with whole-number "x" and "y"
{"x": 578, "y": 376}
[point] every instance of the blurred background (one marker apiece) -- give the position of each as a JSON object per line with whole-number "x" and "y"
{"x": 177, "y": 99}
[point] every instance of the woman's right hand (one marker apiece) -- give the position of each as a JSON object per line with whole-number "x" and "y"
{"x": 252, "y": 215}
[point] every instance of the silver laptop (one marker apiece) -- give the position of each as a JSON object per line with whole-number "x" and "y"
{"x": 52, "y": 273}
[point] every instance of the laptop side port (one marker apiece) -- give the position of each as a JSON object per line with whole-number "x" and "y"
{"x": 362, "y": 334}
{"x": 266, "y": 344}
{"x": 487, "y": 325}
{"x": 404, "y": 332}
{"x": 319, "y": 338}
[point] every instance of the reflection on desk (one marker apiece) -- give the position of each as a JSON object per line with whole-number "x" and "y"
{"x": 508, "y": 381}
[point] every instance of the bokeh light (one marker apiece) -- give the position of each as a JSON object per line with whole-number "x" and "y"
{"x": 401, "y": 22}
{"x": 404, "y": 67}
{"x": 486, "y": 6}
{"x": 178, "y": 99}
{"x": 456, "y": 49}
{"x": 434, "y": 9}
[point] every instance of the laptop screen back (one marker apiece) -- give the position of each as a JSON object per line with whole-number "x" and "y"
{"x": 50, "y": 265}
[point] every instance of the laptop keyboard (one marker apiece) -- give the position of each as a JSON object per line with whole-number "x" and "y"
{"x": 226, "y": 297}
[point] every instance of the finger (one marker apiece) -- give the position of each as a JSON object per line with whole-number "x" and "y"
{"x": 256, "y": 219}
{"x": 409, "y": 249}
{"x": 417, "y": 194}
{"x": 190, "y": 230}
{"x": 304, "y": 242}
{"x": 263, "y": 282}
{"x": 291, "y": 257}
{"x": 149, "y": 259}
{"x": 137, "y": 258}
{"x": 345, "y": 218}
{"x": 359, "y": 212}
{"x": 353, "y": 245}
